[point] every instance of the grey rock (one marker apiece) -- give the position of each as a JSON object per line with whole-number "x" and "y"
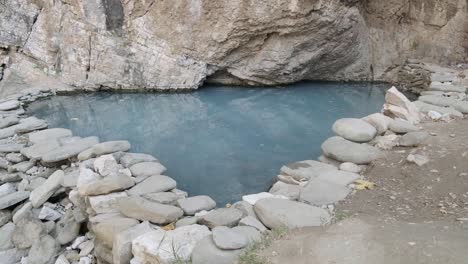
{"x": 9, "y": 177}
{"x": 129, "y": 159}
{"x": 5, "y": 217}
{"x": 49, "y": 213}
{"x": 245, "y": 207}
{"x": 338, "y": 177}
{"x": 70, "y": 150}
{"x": 106, "y": 165}
{"x": 417, "y": 159}
{"x": 319, "y": 192}
{"x": 153, "y": 184}
{"x": 12, "y": 256}
{"x": 15, "y": 157}
{"x": 42, "y": 193}
{"x": 162, "y": 197}
{"x": 111, "y": 147}
{"x": 43, "y": 250}
{"x": 401, "y": 126}
{"x": 353, "y": 129}
{"x": 447, "y": 88}
{"x": 346, "y": 151}
{"x": 207, "y": 252}
{"x": 106, "y": 185}
{"x": 189, "y": 220}
{"x": 291, "y": 191}
{"x": 306, "y": 169}
{"x": 7, "y": 188}
{"x": 106, "y": 230}
{"x": 49, "y": 134}
{"x": 8, "y": 121}
{"x": 195, "y": 204}
{"x": 413, "y": 139}
{"x": 221, "y": 217}
{"x": 37, "y": 151}
{"x": 144, "y": 210}
{"x": 6, "y": 233}
{"x": 27, "y": 231}
{"x": 253, "y": 222}
{"x": 278, "y": 213}
{"x": 9, "y": 105}
{"x": 86, "y": 248}
{"x": 146, "y": 169}
{"x": 22, "y": 212}
{"x": 461, "y": 106}
{"x": 104, "y": 204}
{"x": 122, "y": 247}
{"x": 13, "y": 198}
{"x": 350, "y": 167}
{"x": 226, "y": 238}
{"x": 67, "y": 229}
{"x": 70, "y": 177}
{"x": 23, "y": 166}
{"x": 30, "y": 124}
{"x": 253, "y": 235}
{"x": 379, "y": 121}
{"x": 11, "y": 147}
{"x": 425, "y": 108}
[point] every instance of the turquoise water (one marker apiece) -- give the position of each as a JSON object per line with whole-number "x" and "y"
{"x": 220, "y": 141}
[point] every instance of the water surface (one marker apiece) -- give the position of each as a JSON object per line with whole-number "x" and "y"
{"x": 220, "y": 141}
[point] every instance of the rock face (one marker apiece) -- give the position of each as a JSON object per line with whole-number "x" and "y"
{"x": 132, "y": 44}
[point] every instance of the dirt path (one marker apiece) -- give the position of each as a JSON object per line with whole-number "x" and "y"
{"x": 410, "y": 217}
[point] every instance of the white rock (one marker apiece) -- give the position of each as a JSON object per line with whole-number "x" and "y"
{"x": 417, "y": 159}
{"x": 353, "y": 129}
{"x": 350, "y": 167}
{"x": 226, "y": 238}
{"x": 42, "y": 193}
{"x": 49, "y": 213}
{"x": 253, "y": 198}
{"x": 122, "y": 247}
{"x": 7, "y": 188}
{"x": 106, "y": 165}
{"x": 107, "y": 203}
{"x": 165, "y": 247}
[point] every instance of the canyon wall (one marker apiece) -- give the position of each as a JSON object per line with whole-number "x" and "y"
{"x": 180, "y": 44}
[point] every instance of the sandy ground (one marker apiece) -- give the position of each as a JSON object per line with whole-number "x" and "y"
{"x": 410, "y": 217}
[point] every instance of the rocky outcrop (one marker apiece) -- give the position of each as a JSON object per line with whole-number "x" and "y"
{"x": 95, "y": 44}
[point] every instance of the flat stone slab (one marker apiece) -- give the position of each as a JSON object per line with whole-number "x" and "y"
{"x": 146, "y": 169}
{"x": 413, "y": 139}
{"x": 108, "y": 203}
{"x": 253, "y": 222}
{"x": 37, "y": 151}
{"x": 458, "y": 105}
{"x": 401, "y": 126}
{"x": 353, "y": 129}
{"x": 158, "y": 246}
{"x": 106, "y": 185}
{"x": 221, "y": 217}
{"x": 338, "y": 177}
{"x": 129, "y": 159}
{"x": 153, "y": 184}
{"x": 8, "y": 121}
{"x": 319, "y": 192}
{"x": 162, "y": 197}
{"x": 195, "y": 204}
{"x": 49, "y": 134}
{"x": 292, "y": 191}
{"x": 9, "y": 105}
{"x": 41, "y": 194}
{"x": 227, "y": 238}
{"x": 12, "y": 147}
{"x": 425, "y": 108}
{"x": 70, "y": 150}
{"x": 279, "y": 213}
{"x": 447, "y": 88}
{"x": 207, "y": 252}
{"x": 13, "y": 198}
{"x": 306, "y": 169}
{"x": 144, "y": 210}
{"x": 346, "y": 151}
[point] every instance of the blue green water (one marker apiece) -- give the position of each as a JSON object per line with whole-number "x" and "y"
{"x": 220, "y": 141}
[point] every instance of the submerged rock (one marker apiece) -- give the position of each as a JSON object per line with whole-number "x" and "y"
{"x": 353, "y": 129}
{"x": 346, "y": 151}
{"x": 278, "y": 213}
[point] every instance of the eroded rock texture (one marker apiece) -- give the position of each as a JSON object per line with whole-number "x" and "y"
{"x": 156, "y": 44}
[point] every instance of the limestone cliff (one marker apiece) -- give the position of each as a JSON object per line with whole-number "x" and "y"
{"x": 157, "y": 44}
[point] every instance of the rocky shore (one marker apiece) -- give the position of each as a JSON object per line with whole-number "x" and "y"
{"x": 66, "y": 199}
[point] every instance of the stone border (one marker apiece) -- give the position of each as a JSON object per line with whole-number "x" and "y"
{"x": 57, "y": 182}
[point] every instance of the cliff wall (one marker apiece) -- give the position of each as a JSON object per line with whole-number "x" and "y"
{"x": 160, "y": 44}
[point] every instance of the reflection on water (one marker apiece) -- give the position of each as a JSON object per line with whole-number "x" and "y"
{"x": 219, "y": 141}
